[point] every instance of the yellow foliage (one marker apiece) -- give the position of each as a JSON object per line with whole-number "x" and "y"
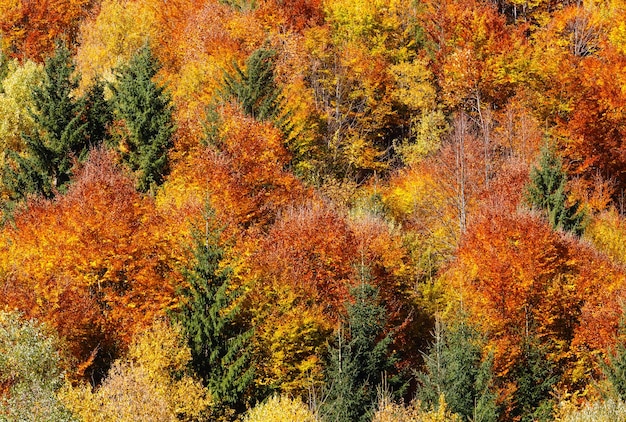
{"x": 414, "y": 81}
{"x": 119, "y": 30}
{"x": 150, "y": 384}
{"x": 290, "y": 340}
{"x": 379, "y": 24}
{"x": 15, "y": 102}
{"x": 599, "y": 411}
{"x": 280, "y": 409}
{"x": 389, "y": 411}
{"x": 608, "y": 234}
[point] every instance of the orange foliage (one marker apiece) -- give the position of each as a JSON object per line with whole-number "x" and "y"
{"x": 311, "y": 249}
{"x": 248, "y": 181}
{"x": 243, "y": 176}
{"x": 520, "y": 280}
{"x": 29, "y": 28}
{"x": 294, "y": 15}
{"x": 508, "y": 264}
{"x": 597, "y": 125}
{"x": 197, "y": 44}
{"x": 95, "y": 264}
{"x": 473, "y": 55}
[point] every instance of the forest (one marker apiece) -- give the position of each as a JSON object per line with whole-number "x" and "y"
{"x": 313, "y": 210}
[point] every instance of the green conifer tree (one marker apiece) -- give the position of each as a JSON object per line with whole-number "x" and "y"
{"x": 209, "y": 314}
{"x": 535, "y": 375}
{"x": 615, "y": 371}
{"x": 614, "y": 367}
{"x": 255, "y": 88}
{"x": 67, "y": 128}
{"x": 546, "y": 192}
{"x": 455, "y": 367}
{"x": 360, "y": 361}
{"x": 146, "y": 109}
{"x": 4, "y": 69}
{"x": 98, "y": 114}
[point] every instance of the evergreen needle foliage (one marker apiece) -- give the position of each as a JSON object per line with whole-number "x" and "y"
{"x": 614, "y": 368}
{"x": 67, "y": 128}
{"x": 146, "y": 110}
{"x": 546, "y": 192}
{"x": 209, "y": 318}
{"x": 360, "y": 361}
{"x": 456, "y": 368}
{"x": 255, "y": 88}
{"x": 4, "y": 69}
{"x": 535, "y": 376}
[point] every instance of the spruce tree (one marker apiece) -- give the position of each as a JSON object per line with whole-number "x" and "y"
{"x": 146, "y": 109}
{"x": 65, "y": 124}
{"x": 535, "y": 375}
{"x": 614, "y": 367}
{"x": 360, "y": 361}
{"x": 546, "y": 192}
{"x": 255, "y": 88}
{"x": 455, "y": 367}
{"x": 615, "y": 371}
{"x": 209, "y": 314}
{"x": 4, "y": 69}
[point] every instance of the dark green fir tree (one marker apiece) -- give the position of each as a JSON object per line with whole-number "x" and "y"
{"x": 255, "y": 88}
{"x": 536, "y": 376}
{"x": 614, "y": 367}
{"x": 456, "y": 368}
{"x": 67, "y": 127}
{"x": 98, "y": 113}
{"x": 546, "y": 192}
{"x": 360, "y": 362}
{"x": 145, "y": 108}
{"x": 4, "y": 69}
{"x": 209, "y": 316}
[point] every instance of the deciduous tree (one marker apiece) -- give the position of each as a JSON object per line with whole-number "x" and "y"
{"x": 97, "y": 263}
{"x": 153, "y": 383}
{"x": 31, "y": 371}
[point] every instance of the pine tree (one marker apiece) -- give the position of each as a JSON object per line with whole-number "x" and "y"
{"x": 146, "y": 110}
{"x": 546, "y": 192}
{"x": 455, "y": 368}
{"x": 217, "y": 340}
{"x": 360, "y": 361}
{"x": 65, "y": 124}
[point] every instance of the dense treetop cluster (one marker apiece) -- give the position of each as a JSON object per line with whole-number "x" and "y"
{"x": 315, "y": 210}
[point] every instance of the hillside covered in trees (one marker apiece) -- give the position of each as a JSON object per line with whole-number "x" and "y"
{"x": 312, "y": 210}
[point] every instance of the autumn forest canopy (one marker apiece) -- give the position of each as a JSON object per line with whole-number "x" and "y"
{"x": 313, "y": 210}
